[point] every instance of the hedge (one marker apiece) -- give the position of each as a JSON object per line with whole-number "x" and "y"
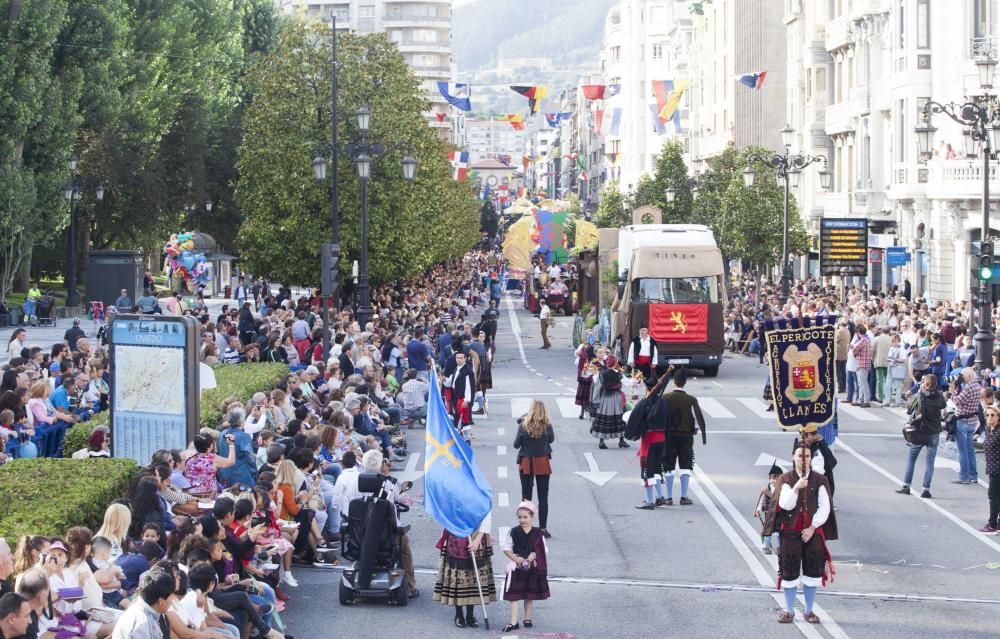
{"x": 49, "y": 496}
{"x": 241, "y": 381}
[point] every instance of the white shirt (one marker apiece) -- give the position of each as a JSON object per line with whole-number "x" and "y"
{"x": 545, "y": 312}
{"x": 554, "y": 270}
{"x": 789, "y": 498}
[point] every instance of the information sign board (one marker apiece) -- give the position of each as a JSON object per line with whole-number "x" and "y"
{"x": 843, "y": 245}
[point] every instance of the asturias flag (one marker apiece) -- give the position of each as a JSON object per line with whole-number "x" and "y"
{"x": 456, "y": 494}
{"x": 678, "y": 322}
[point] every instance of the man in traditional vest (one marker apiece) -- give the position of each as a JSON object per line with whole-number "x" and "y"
{"x": 805, "y": 520}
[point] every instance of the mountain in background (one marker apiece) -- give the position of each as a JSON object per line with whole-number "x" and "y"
{"x": 558, "y": 40}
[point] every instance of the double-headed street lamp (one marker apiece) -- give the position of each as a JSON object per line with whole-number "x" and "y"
{"x": 363, "y": 153}
{"x": 788, "y": 168}
{"x": 671, "y": 193}
{"x": 72, "y": 192}
{"x": 980, "y": 119}
{"x": 189, "y": 211}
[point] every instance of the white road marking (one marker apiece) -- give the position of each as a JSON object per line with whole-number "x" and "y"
{"x": 861, "y": 414}
{"x": 501, "y": 450}
{"x": 757, "y": 406}
{"x": 714, "y": 408}
{"x": 568, "y": 407}
{"x": 717, "y": 384}
{"x": 766, "y": 460}
{"x": 501, "y": 472}
{"x": 515, "y": 327}
{"x": 594, "y": 473}
{"x": 500, "y": 432}
{"x": 503, "y": 531}
{"x": 896, "y": 410}
{"x": 519, "y": 406}
{"x": 533, "y": 394}
{"x": 744, "y": 548}
{"x": 503, "y": 500}
{"x": 929, "y": 503}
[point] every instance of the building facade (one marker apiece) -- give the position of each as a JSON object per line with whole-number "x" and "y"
{"x": 493, "y": 139}
{"x": 421, "y": 29}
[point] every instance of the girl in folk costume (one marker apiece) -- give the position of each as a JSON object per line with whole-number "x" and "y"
{"x": 527, "y": 569}
{"x": 456, "y": 583}
{"x": 463, "y": 389}
{"x": 609, "y": 403}
{"x": 584, "y": 373}
{"x": 765, "y": 512}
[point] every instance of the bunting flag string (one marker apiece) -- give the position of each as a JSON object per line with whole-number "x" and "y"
{"x": 534, "y": 94}
{"x": 553, "y": 119}
{"x": 457, "y": 95}
{"x": 600, "y": 91}
{"x": 516, "y": 120}
{"x": 753, "y": 80}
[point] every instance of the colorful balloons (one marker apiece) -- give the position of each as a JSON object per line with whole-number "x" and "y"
{"x": 184, "y": 262}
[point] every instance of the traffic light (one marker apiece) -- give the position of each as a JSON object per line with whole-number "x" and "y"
{"x": 985, "y": 270}
{"x": 330, "y": 265}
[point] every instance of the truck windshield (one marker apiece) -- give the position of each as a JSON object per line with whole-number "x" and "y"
{"x": 676, "y": 290}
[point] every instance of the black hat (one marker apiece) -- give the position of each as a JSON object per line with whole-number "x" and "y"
{"x": 775, "y": 469}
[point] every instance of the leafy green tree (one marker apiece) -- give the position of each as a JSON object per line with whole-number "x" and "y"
{"x": 611, "y": 207}
{"x": 488, "y": 220}
{"x": 286, "y": 212}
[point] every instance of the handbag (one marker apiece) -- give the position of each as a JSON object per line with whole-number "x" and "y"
{"x": 551, "y": 321}
{"x": 915, "y": 433}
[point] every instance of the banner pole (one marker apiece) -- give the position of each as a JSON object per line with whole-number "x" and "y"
{"x": 479, "y": 585}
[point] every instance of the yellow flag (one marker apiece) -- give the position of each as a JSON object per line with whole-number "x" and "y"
{"x": 586, "y": 234}
{"x": 674, "y": 99}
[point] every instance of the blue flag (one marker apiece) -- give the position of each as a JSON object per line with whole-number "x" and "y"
{"x": 457, "y": 95}
{"x": 456, "y": 494}
{"x": 800, "y": 352}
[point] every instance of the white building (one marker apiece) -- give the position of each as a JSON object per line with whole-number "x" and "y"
{"x": 493, "y": 139}
{"x": 860, "y": 71}
{"x": 421, "y": 29}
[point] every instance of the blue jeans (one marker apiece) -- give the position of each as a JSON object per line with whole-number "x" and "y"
{"x": 333, "y": 470}
{"x": 966, "y": 452}
{"x": 911, "y": 461}
{"x": 852, "y": 385}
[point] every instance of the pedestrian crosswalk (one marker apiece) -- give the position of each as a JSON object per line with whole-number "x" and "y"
{"x": 721, "y": 408}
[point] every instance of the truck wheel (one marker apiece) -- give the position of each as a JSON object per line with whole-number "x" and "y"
{"x": 346, "y": 595}
{"x": 712, "y": 371}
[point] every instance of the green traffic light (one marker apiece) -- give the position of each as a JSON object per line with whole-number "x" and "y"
{"x": 986, "y": 273}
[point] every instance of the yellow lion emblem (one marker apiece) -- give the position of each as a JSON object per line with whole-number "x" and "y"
{"x": 680, "y": 324}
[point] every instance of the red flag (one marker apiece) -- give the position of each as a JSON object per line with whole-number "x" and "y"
{"x": 440, "y": 116}
{"x": 598, "y": 120}
{"x": 593, "y": 91}
{"x": 678, "y": 322}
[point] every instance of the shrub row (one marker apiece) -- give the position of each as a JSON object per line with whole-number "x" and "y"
{"x": 49, "y": 496}
{"x": 239, "y": 381}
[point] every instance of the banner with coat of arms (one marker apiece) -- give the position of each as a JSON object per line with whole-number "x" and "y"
{"x": 800, "y": 355}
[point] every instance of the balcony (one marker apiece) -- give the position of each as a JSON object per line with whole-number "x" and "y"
{"x": 838, "y": 34}
{"x": 409, "y": 45}
{"x": 839, "y": 117}
{"x": 869, "y": 202}
{"x": 960, "y": 179}
{"x": 864, "y": 8}
{"x": 422, "y": 22}
{"x": 860, "y": 100}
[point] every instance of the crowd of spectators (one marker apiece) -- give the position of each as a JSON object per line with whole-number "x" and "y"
{"x": 205, "y": 540}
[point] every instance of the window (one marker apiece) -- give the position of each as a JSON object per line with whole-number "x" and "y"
{"x": 425, "y": 35}
{"x": 902, "y": 24}
{"x": 342, "y": 14}
{"x": 366, "y": 11}
{"x": 923, "y": 24}
{"x": 395, "y": 35}
{"x": 658, "y": 51}
{"x": 676, "y": 290}
{"x": 901, "y": 131}
{"x": 982, "y": 18}
{"x": 616, "y": 53}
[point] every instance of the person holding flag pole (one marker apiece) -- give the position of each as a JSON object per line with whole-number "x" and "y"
{"x": 457, "y": 496}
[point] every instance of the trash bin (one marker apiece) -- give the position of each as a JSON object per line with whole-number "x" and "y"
{"x": 228, "y": 292}
{"x": 16, "y": 316}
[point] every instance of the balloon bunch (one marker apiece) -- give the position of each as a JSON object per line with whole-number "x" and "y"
{"x": 184, "y": 262}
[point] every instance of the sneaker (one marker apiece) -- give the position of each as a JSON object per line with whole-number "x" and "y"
{"x": 289, "y": 580}
{"x": 926, "y": 494}
{"x": 865, "y": 405}
{"x": 905, "y": 490}
{"x": 645, "y": 506}
{"x": 766, "y": 550}
{"x": 987, "y": 529}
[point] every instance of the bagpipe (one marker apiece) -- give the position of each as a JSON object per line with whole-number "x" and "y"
{"x": 802, "y": 370}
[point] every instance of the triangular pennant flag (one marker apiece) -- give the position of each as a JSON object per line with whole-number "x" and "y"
{"x": 583, "y": 171}
{"x": 552, "y": 119}
{"x": 658, "y": 127}
{"x": 612, "y": 90}
{"x": 457, "y": 95}
{"x": 593, "y": 91}
{"x": 534, "y": 94}
{"x": 598, "y": 120}
{"x": 440, "y": 116}
{"x": 753, "y": 80}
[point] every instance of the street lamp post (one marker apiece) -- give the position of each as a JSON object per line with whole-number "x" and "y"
{"x": 980, "y": 120}
{"x": 788, "y": 168}
{"x": 363, "y": 153}
{"x": 72, "y": 192}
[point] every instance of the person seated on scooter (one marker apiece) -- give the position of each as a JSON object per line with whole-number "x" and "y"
{"x": 374, "y": 462}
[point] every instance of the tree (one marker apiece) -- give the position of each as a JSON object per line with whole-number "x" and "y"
{"x": 611, "y": 212}
{"x": 286, "y": 211}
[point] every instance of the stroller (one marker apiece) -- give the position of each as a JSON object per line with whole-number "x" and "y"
{"x": 373, "y": 545}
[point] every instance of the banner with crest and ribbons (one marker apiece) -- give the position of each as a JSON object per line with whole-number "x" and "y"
{"x": 800, "y": 355}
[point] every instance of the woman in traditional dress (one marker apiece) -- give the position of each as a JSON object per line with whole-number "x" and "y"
{"x": 584, "y": 355}
{"x": 456, "y": 583}
{"x": 527, "y": 569}
{"x": 609, "y": 404}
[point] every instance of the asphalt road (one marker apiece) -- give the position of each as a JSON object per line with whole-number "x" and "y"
{"x": 906, "y": 567}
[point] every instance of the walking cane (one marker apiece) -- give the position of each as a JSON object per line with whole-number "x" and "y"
{"x": 479, "y": 585}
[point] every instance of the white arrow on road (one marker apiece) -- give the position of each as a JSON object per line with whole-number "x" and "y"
{"x": 944, "y": 462}
{"x": 595, "y": 474}
{"x": 410, "y": 473}
{"x": 767, "y": 460}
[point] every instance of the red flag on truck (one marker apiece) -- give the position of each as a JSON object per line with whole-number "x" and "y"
{"x": 678, "y": 322}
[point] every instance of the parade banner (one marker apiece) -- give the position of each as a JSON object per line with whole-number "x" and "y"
{"x": 800, "y": 354}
